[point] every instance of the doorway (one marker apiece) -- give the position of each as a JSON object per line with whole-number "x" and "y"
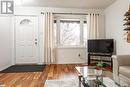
{"x": 26, "y": 40}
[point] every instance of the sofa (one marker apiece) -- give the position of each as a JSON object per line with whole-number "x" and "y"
{"x": 121, "y": 68}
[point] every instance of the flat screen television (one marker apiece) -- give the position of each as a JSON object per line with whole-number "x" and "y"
{"x": 100, "y": 45}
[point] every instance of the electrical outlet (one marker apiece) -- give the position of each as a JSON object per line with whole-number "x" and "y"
{"x": 79, "y": 55}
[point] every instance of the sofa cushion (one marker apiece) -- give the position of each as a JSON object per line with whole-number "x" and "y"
{"x": 125, "y": 70}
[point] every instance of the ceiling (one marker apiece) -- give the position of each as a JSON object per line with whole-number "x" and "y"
{"x": 89, "y": 4}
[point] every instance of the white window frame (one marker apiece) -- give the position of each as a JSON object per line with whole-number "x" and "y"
{"x": 82, "y": 19}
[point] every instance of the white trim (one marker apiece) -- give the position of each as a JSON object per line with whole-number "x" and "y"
{"x": 41, "y": 38}
{"x": 4, "y": 67}
{"x": 71, "y": 47}
{"x": 13, "y": 39}
{"x": 81, "y": 31}
{"x": 58, "y": 31}
{"x": 38, "y": 37}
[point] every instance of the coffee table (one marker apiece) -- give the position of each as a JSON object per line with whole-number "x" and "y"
{"x": 91, "y": 77}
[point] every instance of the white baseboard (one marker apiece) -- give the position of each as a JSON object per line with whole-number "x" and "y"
{"x": 71, "y": 63}
{"x": 40, "y": 63}
{"x": 4, "y": 67}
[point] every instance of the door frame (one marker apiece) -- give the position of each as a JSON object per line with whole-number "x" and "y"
{"x": 13, "y": 38}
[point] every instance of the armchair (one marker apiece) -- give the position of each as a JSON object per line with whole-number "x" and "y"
{"x": 121, "y": 68}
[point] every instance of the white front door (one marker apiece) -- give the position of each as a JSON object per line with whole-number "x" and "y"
{"x": 26, "y": 33}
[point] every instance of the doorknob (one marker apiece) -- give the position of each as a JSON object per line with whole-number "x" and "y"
{"x": 35, "y": 41}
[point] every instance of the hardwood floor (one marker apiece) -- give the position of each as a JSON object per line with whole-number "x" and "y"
{"x": 37, "y": 79}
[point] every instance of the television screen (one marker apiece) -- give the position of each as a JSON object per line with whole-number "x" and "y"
{"x": 100, "y": 46}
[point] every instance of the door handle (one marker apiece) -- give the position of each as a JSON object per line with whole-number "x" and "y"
{"x": 35, "y": 43}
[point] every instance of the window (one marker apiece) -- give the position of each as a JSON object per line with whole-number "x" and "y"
{"x": 85, "y": 33}
{"x": 71, "y": 31}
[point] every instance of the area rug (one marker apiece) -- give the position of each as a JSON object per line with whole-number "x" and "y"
{"x": 24, "y": 68}
{"x": 72, "y": 82}
{"x": 75, "y": 82}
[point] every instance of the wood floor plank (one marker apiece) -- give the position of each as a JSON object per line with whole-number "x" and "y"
{"x": 37, "y": 79}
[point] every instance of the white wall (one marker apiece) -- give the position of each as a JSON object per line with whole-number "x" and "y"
{"x": 114, "y": 16}
{"x": 64, "y": 55}
{"x": 5, "y": 42}
{"x": 71, "y": 55}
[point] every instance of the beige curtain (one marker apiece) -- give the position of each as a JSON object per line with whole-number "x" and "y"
{"x": 49, "y": 50}
{"x": 93, "y": 26}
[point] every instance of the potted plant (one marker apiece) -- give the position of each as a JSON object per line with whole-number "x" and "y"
{"x": 99, "y": 71}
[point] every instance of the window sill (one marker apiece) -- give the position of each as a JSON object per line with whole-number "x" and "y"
{"x": 71, "y": 47}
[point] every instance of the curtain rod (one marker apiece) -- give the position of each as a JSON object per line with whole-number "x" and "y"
{"x": 70, "y": 13}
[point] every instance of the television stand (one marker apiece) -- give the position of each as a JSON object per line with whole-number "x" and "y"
{"x": 100, "y": 54}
